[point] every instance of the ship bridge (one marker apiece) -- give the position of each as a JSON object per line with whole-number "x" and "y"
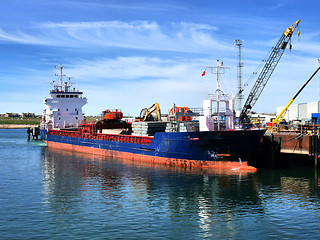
{"x": 64, "y": 106}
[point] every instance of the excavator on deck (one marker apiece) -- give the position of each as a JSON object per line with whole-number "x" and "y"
{"x": 266, "y": 72}
{"x": 152, "y": 113}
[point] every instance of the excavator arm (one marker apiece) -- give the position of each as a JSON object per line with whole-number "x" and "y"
{"x": 145, "y": 113}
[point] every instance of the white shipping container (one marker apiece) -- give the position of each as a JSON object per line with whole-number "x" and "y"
{"x": 312, "y": 108}
{"x": 293, "y": 112}
{"x": 302, "y": 110}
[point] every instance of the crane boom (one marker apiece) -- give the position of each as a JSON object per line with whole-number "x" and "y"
{"x": 280, "y": 117}
{"x": 266, "y": 72}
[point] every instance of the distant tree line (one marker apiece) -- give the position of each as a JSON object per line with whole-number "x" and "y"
{"x": 18, "y": 115}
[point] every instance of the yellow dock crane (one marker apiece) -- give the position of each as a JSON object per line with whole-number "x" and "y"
{"x": 276, "y": 122}
{"x": 267, "y": 70}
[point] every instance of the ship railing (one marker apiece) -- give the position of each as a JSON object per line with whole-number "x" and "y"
{"x": 64, "y": 133}
{"x": 197, "y": 111}
{"x": 87, "y": 121}
{"x": 125, "y": 138}
{"x": 102, "y": 136}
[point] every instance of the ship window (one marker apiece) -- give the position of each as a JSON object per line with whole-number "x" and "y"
{"x": 76, "y": 96}
{"x": 58, "y": 109}
{"x": 62, "y": 96}
{"x": 71, "y": 96}
{"x": 59, "y": 118}
{"x": 76, "y": 109}
{"x": 67, "y": 109}
{"x": 58, "y": 96}
{"x": 67, "y": 96}
{"x": 76, "y": 118}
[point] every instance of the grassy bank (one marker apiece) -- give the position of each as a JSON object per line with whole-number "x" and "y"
{"x": 5, "y": 122}
{"x": 19, "y": 121}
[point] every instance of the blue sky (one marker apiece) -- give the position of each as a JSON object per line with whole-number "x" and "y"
{"x": 131, "y": 54}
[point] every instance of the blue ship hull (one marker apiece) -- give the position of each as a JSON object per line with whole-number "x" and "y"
{"x": 177, "y": 148}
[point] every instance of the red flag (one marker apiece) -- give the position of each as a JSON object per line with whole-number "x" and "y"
{"x": 204, "y": 72}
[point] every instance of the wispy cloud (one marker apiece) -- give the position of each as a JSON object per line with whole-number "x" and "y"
{"x": 129, "y": 68}
{"x": 133, "y": 6}
{"x": 178, "y": 37}
{"x": 275, "y": 7}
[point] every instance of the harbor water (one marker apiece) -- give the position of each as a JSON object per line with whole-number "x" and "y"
{"x": 50, "y": 194}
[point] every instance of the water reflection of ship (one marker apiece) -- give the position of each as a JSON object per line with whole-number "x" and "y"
{"x": 67, "y": 170}
{"x": 210, "y": 201}
{"x": 71, "y": 174}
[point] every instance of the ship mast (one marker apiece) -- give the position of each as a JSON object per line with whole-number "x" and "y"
{"x": 60, "y": 75}
{"x": 220, "y": 69}
{"x": 240, "y": 65}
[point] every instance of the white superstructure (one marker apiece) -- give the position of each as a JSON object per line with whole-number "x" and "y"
{"x": 64, "y": 106}
{"x": 221, "y": 117}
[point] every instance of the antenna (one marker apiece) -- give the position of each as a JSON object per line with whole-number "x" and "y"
{"x": 240, "y": 65}
{"x": 220, "y": 69}
{"x": 61, "y": 67}
{"x": 69, "y": 80}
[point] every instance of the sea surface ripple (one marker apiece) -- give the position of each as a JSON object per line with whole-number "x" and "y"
{"x": 52, "y": 194}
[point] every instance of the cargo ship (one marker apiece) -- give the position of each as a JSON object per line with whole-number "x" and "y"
{"x": 203, "y": 138}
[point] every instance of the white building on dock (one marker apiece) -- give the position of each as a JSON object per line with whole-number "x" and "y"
{"x": 300, "y": 111}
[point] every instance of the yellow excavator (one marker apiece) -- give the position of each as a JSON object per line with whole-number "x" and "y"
{"x": 276, "y": 122}
{"x": 152, "y": 113}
